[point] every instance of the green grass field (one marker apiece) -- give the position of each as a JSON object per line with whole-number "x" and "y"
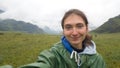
{"x": 18, "y": 49}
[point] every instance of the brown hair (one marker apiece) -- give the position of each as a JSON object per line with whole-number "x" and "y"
{"x": 81, "y": 14}
{"x": 74, "y": 11}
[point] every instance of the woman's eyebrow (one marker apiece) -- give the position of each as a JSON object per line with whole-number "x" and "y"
{"x": 67, "y": 25}
{"x": 79, "y": 24}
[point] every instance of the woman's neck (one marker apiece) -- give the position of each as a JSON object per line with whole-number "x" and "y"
{"x": 79, "y": 48}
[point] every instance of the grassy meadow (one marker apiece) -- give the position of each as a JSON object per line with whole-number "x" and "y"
{"x": 18, "y": 48}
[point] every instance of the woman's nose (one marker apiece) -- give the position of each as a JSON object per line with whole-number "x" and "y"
{"x": 75, "y": 32}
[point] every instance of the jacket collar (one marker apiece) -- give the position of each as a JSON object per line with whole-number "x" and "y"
{"x": 91, "y": 49}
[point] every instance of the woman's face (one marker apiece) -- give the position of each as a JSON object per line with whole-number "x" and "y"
{"x": 75, "y": 30}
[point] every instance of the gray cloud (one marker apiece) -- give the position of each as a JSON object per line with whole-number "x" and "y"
{"x": 49, "y": 12}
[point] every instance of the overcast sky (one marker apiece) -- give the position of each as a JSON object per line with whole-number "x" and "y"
{"x": 50, "y": 12}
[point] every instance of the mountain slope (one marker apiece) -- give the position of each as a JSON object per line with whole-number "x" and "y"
{"x": 111, "y": 26}
{"x": 49, "y": 31}
{"x": 1, "y": 11}
{"x": 20, "y": 26}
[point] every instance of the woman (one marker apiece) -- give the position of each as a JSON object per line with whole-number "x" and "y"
{"x": 76, "y": 48}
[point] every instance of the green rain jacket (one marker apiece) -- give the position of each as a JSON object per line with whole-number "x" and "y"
{"x": 59, "y": 57}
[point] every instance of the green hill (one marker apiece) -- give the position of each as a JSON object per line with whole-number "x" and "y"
{"x": 19, "y": 26}
{"x": 111, "y": 26}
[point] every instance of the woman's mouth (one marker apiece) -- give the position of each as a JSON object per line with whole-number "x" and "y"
{"x": 75, "y": 38}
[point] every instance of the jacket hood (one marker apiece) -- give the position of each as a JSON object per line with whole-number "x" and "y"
{"x": 91, "y": 49}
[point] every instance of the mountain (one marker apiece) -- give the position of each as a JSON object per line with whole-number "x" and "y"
{"x": 49, "y": 31}
{"x": 19, "y": 26}
{"x": 111, "y": 26}
{"x": 1, "y": 11}
{"x": 91, "y": 27}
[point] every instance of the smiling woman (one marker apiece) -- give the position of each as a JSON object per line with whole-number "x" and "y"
{"x": 76, "y": 48}
{"x": 75, "y": 29}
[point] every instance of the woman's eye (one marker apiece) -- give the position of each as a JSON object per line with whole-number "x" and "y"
{"x": 68, "y": 27}
{"x": 80, "y": 26}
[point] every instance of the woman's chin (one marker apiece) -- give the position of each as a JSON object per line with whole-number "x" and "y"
{"x": 75, "y": 43}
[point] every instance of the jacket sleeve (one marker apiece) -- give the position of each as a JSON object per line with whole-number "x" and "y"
{"x": 46, "y": 59}
{"x": 6, "y": 66}
{"x": 99, "y": 62}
